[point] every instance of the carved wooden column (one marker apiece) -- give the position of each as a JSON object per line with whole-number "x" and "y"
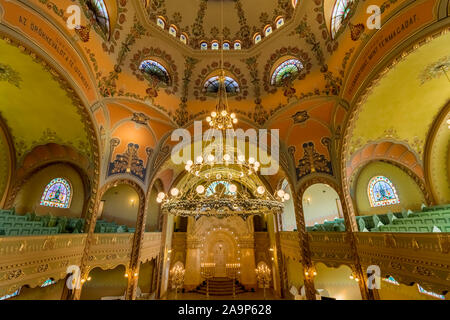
{"x": 161, "y": 257}
{"x": 91, "y": 220}
{"x": 310, "y": 290}
{"x": 351, "y": 227}
{"x": 134, "y": 266}
{"x": 281, "y": 266}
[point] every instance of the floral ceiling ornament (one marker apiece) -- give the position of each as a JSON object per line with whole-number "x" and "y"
{"x": 8, "y": 74}
{"x": 356, "y": 30}
{"x": 300, "y": 117}
{"x": 140, "y": 118}
{"x": 436, "y": 70}
{"x": 312, "y": 162}
{"x": 128, "y": 162}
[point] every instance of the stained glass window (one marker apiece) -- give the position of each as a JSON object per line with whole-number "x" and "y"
{"x": 391, "y": 280}
{"x": 9, "y": 296}
{"x": 212, "y": 85}
{"x": 155, "y": 70}
{"x": 173, "y": 31}
{"x": 237, "y": 46}
{"x": 382, "y": 192}
{"x": 160, "y": 22}
{"x": 268, "y": 31}
{"x": 183, "y": 38}
{"x": 279, "y": 22}
{"x": 57, "y": 194}
{"x": 48, "y": 282}
{"x": 340, "y": 12}
{"x": 212, "y": 189}
{"x": 288, "y": 69}
{"x": 430, "y": 293}
{"x": 215, "y": 45}
{"x": 204, "y": 46}
{"x": 257, "y": 38}
{"x": 98, "y": 9}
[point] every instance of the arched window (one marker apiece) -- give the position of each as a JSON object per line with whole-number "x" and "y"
{"x": 212, "y": 85}
{"x": 382, "y": 192}
{"x": 341, "y": 10}
{"x": 155, "y": 70}
{"x": 57, "y": 194}
{"x": 288, "y": 69}
{"x": 216, "y": 186}
{"x": 100, "y": 14}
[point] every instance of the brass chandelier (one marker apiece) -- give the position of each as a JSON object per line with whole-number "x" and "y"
{"x": 212, "y": 188}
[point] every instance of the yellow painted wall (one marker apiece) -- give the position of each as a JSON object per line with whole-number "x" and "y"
{"x": 294, "y": 273}
{"x": 337, "y": 282}
{"x": 5, "y": 163}
{"x": 409, "y": 193}
{"x": 146, "y": 276}
{"x": 29, "y": 197}
{"x": 152, "y": 212}
{"x": 322, "y": 204}
{"x": 118, "y": 205}
{"x": 52, "y": 292}
{"x": 105, "y": 283}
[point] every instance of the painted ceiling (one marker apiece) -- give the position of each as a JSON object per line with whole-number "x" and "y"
{"x": 405, "y": 102}
{"x": 35, "y": 107}
{"x": 201, "y": 20}
{"x": 130, "y": 108}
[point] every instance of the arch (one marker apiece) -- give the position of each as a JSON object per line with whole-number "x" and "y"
{"x": 382, "y": 192}
{"x": 286, "y": 70}
{"x": 57, "y": 193}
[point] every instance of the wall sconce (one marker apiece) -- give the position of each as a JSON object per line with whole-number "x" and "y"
{"x": 87, "y": 279}
{"x": 352, "y": 277}
{"x": 132, "y": 202}
{"x": 135, "y": 275}
{"x": 310, "y": 272}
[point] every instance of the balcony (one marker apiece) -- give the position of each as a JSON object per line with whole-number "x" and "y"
{"x": 31, "y": 260}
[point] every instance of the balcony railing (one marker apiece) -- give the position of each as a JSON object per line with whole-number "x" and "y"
{"x": 31, "y": 260}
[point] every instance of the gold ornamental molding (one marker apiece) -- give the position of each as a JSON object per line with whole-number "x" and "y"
{"x": 150, "y": 246}
{"x": 32, "y": 260}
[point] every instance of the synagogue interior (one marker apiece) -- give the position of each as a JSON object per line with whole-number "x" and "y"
{"x": 225, "y": 149}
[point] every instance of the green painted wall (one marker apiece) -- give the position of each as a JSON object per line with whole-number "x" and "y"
{"x": 409, "y": 193}
{"x": 29, "y": 197}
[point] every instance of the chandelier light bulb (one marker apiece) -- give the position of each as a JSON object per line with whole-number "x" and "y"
{"x": 218, "y": 176}
{"x": 241, "y": 158}
{"x": 257, "y": 164}
{"x": 286, "y": 196}
{"x": 174, "y": 192}
{"x": 281, "y": 193}
{"x": 213, "y": 114}
{"x": 235, "y": 121}
{"x": 224, "y": 113}
{"x": 233, "y": 188}
{"x": 251, "y": 160}
{"x": 211, "y": 124}
{"x": 188, "y": 168}
{"x": 189, "y": 163}
{"x": 220, "y": 126}
{"x": 210, "y": 158}
{"x": 159, "y": 200}
{"x": 208, "y": 119}
{"x": 200, "y": 189}
{"x": 233, "y": 116}
{"x": 161, "y": 195}
{"x": 241, "y": 175}
{"x": 199, "y": 159}
{"x": 226, "y": 157}
{"x": 260, "y": 190}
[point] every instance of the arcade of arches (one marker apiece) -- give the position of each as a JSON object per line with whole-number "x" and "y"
{"x": 89, "y": 100}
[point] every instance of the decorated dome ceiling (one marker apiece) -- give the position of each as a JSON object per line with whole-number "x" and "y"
{"x": 200, "y": 20}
